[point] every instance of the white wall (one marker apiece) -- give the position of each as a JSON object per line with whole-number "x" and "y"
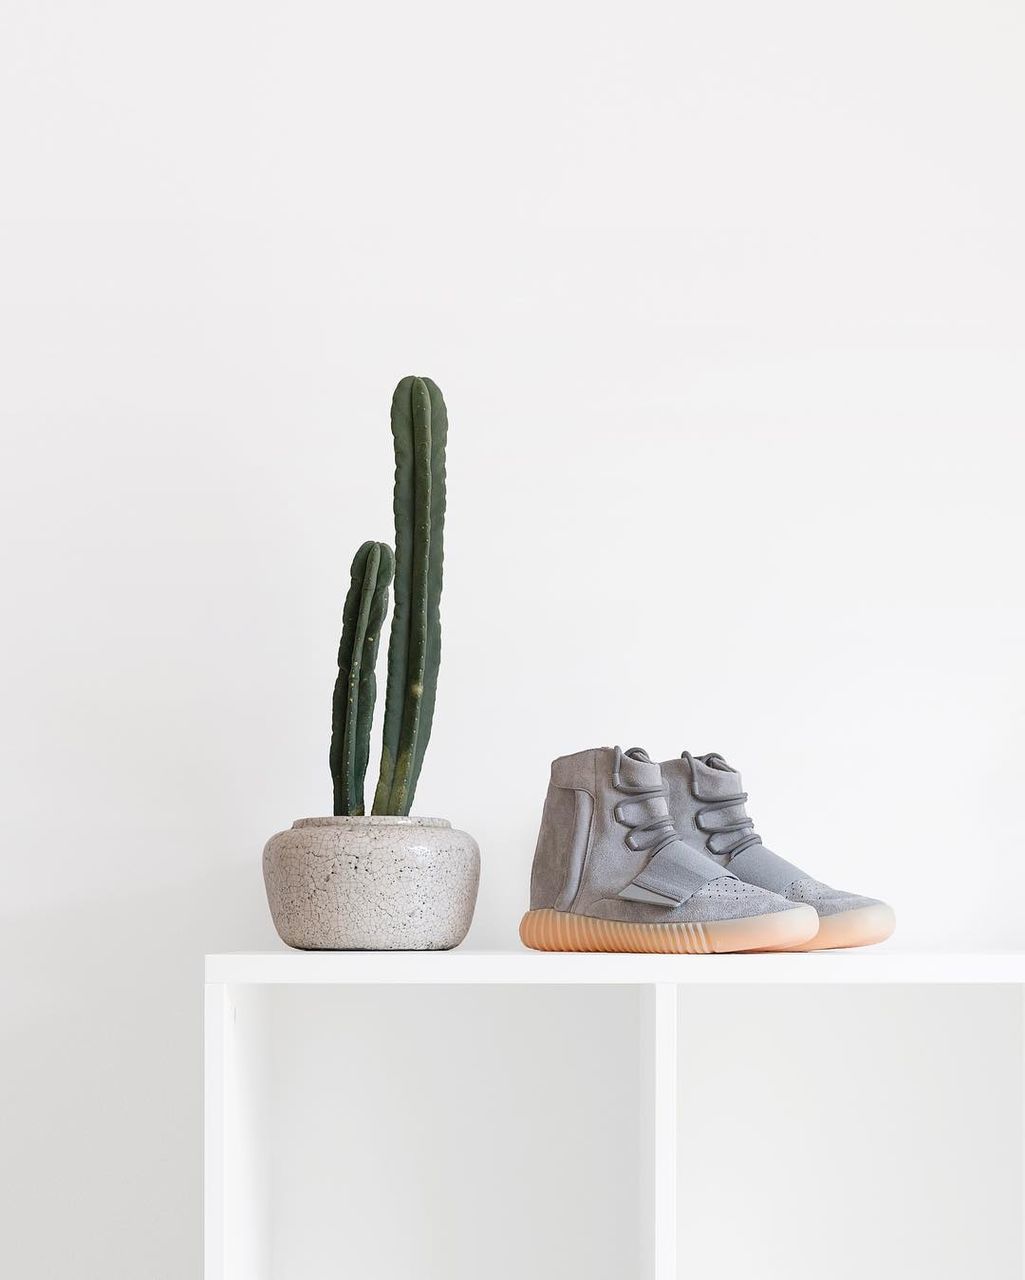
{"x": 725, "y": 300}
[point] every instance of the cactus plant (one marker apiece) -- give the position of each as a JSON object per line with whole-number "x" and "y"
{"x": 419, "y": 423}
{"x": 363, "y": 614}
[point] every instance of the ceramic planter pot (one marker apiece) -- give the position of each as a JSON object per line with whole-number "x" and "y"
{"x": 372, "y": 884}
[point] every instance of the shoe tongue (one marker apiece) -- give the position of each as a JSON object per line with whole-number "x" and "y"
{"x": 639, "y": 769}
{"x": 715, "y": 776}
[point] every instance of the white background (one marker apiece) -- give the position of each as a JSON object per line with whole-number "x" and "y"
{"x": 726, "y": 303}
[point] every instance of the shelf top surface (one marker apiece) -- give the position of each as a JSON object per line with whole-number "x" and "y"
{"x": 875, "y": 965}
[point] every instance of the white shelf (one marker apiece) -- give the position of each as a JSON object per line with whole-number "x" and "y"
{"x": 521, "y": 966}
{"x": 251, "y": 1033}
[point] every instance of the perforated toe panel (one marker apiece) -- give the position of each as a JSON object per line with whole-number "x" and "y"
{"x": 726, "y": 898}
{"x": 827, "y": 901}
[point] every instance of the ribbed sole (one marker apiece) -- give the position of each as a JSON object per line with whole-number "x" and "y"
{"x": 547, "y": 930}
{"x": 858, "y": 928}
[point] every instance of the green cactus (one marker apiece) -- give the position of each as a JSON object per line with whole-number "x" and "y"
{"x": 419, "y": 423}
{"x": 363, "y": 614}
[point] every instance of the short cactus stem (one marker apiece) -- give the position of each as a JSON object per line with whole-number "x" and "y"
{"x": 366, "y": 605}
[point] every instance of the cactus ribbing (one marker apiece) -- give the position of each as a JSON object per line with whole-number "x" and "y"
{"x": 356, "y": 686}
{"x": 420, "y": 429}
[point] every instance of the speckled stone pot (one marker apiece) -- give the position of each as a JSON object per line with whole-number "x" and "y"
{"x": 372, "y": 884}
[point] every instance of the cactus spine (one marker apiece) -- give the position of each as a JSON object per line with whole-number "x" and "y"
{"x": 363, "y": 614}
{"x": 419, "y": 423}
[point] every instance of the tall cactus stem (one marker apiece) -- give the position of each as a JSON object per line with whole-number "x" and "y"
{"x": 420, "y": 429}
{"x": 439, "y": 442}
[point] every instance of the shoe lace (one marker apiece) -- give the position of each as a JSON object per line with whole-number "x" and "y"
{"x": 646, "y": 813}
{"x": 742, "y": 825}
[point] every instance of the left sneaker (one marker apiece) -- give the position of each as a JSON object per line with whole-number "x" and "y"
{"x": 611, "y": 874}
{"x": 706, "y": 803}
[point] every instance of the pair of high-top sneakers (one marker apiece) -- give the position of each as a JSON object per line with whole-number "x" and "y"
{"x": 636, "y": 856}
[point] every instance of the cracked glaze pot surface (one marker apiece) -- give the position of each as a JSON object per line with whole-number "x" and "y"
{"x": 372, "y": 884}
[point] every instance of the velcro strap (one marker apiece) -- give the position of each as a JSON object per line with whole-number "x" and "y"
{"x": 760, "y": 866}
{"x": 674, "y": 874}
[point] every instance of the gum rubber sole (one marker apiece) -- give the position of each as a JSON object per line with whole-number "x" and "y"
{"x": 548, "y": 930}
{"x": 858, "y": 928}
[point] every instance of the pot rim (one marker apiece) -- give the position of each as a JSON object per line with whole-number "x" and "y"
{"x": 372, "y": 820}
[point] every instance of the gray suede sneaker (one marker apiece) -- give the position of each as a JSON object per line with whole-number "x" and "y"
{"x": 611, "y": 874}
{"x": 706, "y": 801}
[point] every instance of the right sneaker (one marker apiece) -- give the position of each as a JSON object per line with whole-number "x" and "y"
{"x": 707, "y": 803}
{"x": 611, "y": 874}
